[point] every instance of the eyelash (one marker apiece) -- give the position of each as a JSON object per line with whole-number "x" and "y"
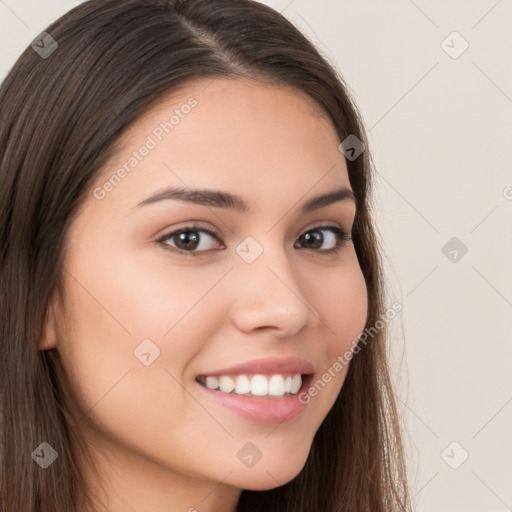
{"x": 342, "y": 238}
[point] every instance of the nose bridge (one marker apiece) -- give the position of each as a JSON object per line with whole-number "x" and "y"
{"x": 269, "y": 294}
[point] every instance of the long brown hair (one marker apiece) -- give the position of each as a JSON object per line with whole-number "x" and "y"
{"x": 60, "y": 115}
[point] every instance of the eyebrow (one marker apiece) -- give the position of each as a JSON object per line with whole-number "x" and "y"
{"x": 219, "y": 199}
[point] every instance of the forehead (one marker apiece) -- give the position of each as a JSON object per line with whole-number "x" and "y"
{"x": 259, "y": 139}
{"x": 255, "y": 113}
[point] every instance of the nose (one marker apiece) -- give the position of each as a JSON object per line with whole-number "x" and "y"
{"x": 268, "y": 295}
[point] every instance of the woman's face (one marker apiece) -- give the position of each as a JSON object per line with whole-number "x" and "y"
{"x": 142, "y": 319}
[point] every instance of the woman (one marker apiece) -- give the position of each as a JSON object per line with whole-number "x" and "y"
{"x": 189, "y": 271}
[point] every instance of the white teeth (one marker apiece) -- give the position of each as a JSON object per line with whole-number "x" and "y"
{"x": 226, "y": 384}
{"x": 288, "y": 384}
{"x": 212, "y": 382}
{"x": 276, "y": 385}
{"x": 243, "y": 385}
{"x": 258, "y": 385}
{"x": 296, "y": 384}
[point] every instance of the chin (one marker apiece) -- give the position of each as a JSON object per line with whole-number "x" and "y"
{"x": 274, "y": 473}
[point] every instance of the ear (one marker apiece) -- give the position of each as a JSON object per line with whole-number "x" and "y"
{"x": 49, "y": 335}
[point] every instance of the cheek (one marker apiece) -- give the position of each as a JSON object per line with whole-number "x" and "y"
{"x": 117, "y": 304}
{"x": 113, "y": 391}
{"x": 134, "y": 297}
{"x": 174, "y": 306}
{"x": 341, "y": 302}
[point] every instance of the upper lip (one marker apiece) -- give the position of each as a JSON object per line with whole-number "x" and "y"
{"x": 267, "y": 366}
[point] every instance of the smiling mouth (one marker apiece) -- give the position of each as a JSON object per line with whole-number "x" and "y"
{"x": 277, "y": 385}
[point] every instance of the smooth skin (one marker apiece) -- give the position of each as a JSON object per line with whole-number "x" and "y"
{"x": 161, "y": 443}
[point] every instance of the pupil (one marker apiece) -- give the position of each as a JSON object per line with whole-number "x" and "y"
{"x": 314, "y": 236}
{"x": 189, "y": 239}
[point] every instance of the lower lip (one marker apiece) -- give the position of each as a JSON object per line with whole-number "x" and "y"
{"x": 261, "y": 409}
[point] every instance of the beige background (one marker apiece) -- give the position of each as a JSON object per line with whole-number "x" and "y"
{"x": 440, "y": 129}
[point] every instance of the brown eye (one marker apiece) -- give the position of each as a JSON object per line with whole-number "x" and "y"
{"x": 191, "y": 240}
{"x": 315, "y": 239}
